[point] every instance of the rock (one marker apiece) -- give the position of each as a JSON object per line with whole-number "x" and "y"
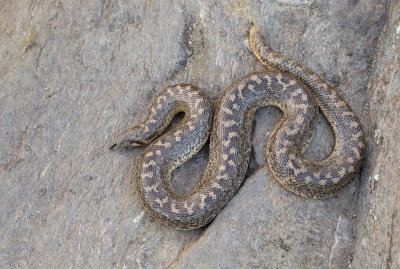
{"x": 72, "y": 76}
{"x": 377, "y": 229}
{"x": 273, "y": 229}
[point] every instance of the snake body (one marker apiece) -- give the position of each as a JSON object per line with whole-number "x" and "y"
{"x": 292, "y": 87}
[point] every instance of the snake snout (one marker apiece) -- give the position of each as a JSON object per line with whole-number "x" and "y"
{"x": 127, "y": 143}
{"x": 127, "y": 139}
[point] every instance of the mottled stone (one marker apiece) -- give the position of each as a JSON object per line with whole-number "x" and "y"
{"x": 273, "y": 229}
{"x": 75, "y": 74}
{"x": 377, "y": 243}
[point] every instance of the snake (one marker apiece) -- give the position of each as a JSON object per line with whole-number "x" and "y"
{"x": 298, "y": 92}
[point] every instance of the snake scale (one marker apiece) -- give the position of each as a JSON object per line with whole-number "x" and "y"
{"x": 290, "y": 86}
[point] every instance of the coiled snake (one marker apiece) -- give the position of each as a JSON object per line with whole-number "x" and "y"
{"x": 292, "y": 87}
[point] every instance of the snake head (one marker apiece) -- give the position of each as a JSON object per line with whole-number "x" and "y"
{"x": 126, "y": 144}
{"x": 127, "y": 140}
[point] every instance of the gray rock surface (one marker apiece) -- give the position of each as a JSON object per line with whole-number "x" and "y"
{"x": 377, "y": 243}
{"x": 73, "y": 75}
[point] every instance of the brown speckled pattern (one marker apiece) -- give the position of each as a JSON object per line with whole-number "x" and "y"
{"x": 288, "y": 85}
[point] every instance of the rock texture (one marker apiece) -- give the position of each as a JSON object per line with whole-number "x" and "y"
{"x": 377, "y": 243}
{"x": 73, "y": 75}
